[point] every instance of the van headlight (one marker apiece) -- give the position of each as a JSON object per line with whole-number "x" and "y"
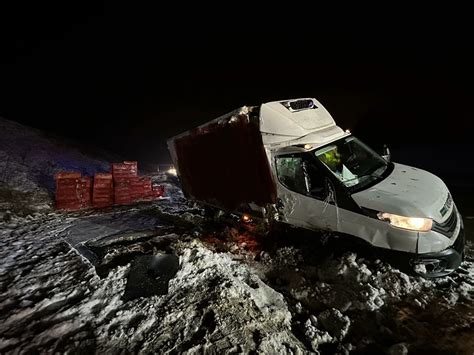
{"x": 411, "y": 223}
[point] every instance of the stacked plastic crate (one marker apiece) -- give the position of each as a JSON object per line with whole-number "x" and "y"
{"x": 147, "y": 188}
{"x": 125, "y": 177}
{"x": 136, "y": 189}
{"x": 103, "y": 190}
{"x": 73, "y": 191}
{"x": 122, "y": 187}
{"x": 157, "y": 191}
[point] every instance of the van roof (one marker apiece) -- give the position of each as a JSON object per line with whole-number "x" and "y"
{"x": 297, "y": 121}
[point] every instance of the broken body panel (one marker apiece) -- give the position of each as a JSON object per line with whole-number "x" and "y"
{"x": 282, "y": 156}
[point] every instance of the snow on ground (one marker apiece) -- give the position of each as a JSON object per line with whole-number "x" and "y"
{"x": 226, "y": 293}
{"x": 380, "y": 305}
{"x": 52, "y": 300}
{"x": 28, "y": 160}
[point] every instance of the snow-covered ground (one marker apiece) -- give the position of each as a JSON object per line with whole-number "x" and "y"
{"x": 226, "y": 292}
{"x": 158, "y": 277}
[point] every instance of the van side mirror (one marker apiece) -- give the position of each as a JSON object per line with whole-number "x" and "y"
{"x": 386, "y": 153}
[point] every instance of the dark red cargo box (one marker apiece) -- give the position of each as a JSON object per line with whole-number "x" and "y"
{"x": 224, "y": 162}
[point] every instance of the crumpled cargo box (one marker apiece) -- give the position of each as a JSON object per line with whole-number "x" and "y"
{"x": 224, "y": 162}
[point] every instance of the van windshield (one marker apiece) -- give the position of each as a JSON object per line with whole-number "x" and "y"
{"x": 352, "y": 162}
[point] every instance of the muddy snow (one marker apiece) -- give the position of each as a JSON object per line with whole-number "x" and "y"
{"x": 154, "y": 278}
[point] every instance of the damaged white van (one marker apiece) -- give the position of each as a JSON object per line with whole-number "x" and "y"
{"x": 287, "y": 161}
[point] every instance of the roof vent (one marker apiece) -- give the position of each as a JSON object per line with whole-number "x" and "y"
{"x": 299, "y": 105}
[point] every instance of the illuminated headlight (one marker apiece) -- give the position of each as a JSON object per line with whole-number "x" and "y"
{"x": 412, "y": 223}
{"x": 172, "y": 171}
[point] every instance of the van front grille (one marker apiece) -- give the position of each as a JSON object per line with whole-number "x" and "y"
{"x": 447, "y": 227}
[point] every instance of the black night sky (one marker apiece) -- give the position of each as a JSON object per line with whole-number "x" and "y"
{"x": 126, "y": 79}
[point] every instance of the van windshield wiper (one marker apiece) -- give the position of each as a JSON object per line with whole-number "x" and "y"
{"x": 356, "y": 186}
{"x": 366, "y": 180}
{"x": 360, "y": 177}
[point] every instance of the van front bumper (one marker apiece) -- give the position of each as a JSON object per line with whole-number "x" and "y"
{"x": 441, "y": 263}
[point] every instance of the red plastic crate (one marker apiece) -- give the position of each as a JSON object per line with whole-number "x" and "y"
{"x": 103, "y": 176}
{"x": 66, "y": 175}
{"x": 85, "y": 191}
{"x": 103, "y": 190}
{"x": 125, "y": 169}
{"x": 131, "y": 164}
{"x": 124, "y": 201}
{"x": 65, "y": 182}
{"x": 73, "y": 192}
{"x": 158, "y": 191}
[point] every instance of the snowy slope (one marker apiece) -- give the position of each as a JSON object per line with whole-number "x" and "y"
{"x": 29, "y": 158}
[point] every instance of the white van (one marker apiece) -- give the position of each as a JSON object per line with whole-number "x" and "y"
{"x": 288, "y": 161}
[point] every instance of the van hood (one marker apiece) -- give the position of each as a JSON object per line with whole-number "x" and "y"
{"x": 410, "y": 192}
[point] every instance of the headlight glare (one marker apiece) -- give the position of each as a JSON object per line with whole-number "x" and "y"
{"x": 411, "y": 223}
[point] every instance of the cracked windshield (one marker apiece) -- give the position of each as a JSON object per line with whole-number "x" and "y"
{"x": 352, "y": 162}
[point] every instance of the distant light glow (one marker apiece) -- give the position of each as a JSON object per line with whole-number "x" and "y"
{"x": 172, "y": 171}
{"x": 347, "y": 131}
{"x": 246, "y": 218}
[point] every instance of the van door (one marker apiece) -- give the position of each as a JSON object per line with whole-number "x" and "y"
{"x": 306, "y": 195}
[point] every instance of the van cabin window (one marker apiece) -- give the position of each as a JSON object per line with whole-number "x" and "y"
{"x": 352, "y": 162}
{"x": 300, "y": 175}
{"x": 290, "y": 173}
